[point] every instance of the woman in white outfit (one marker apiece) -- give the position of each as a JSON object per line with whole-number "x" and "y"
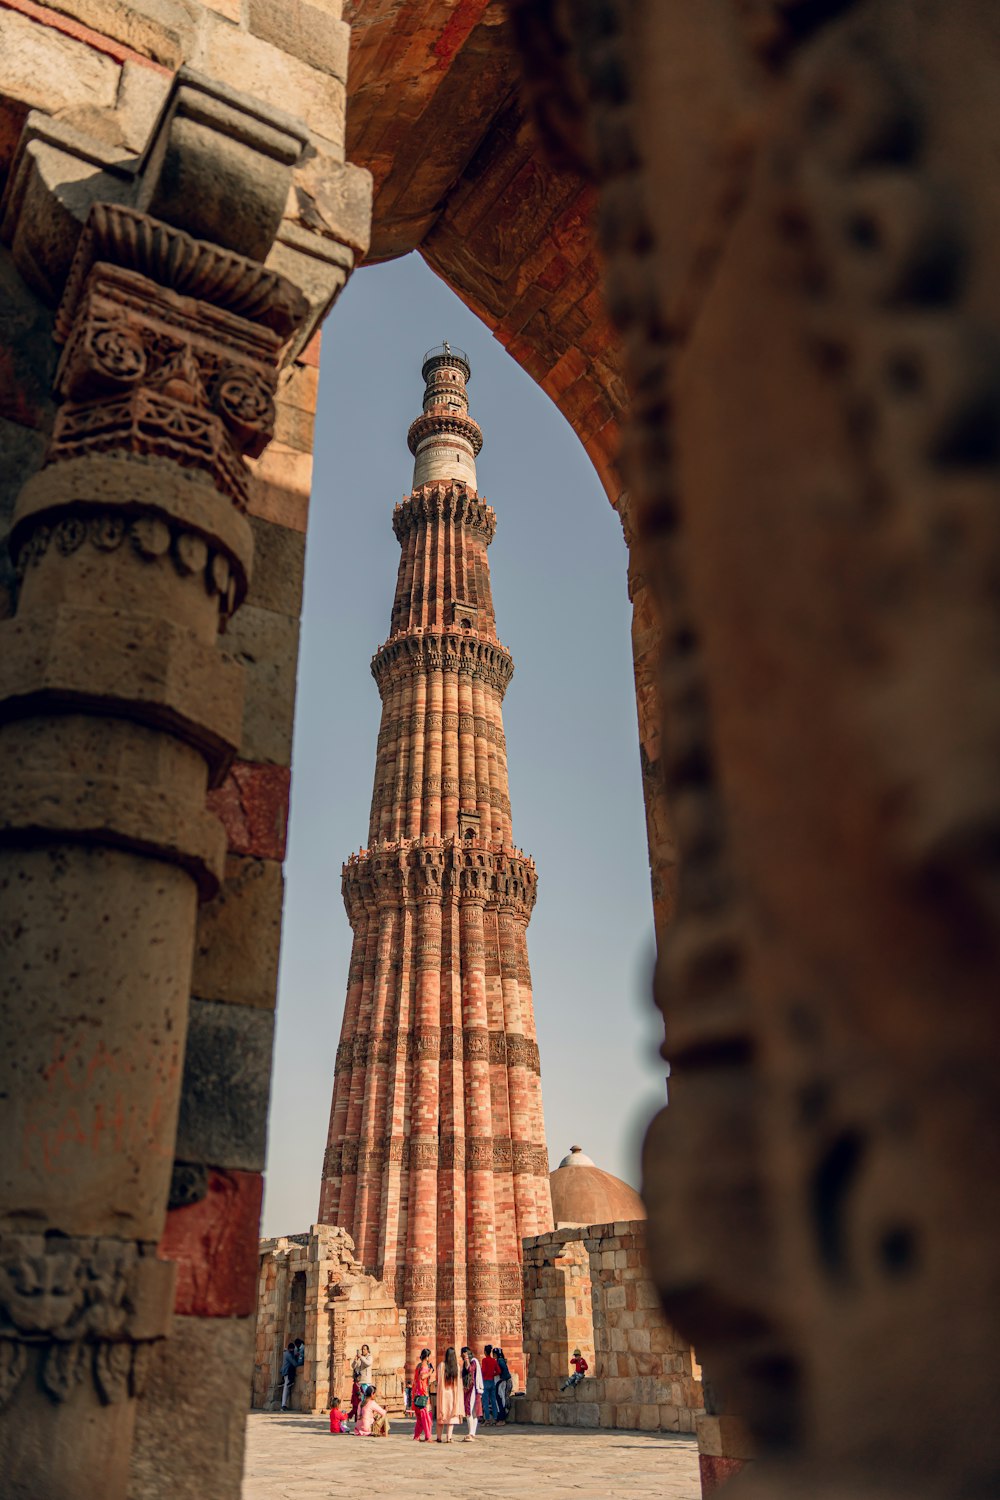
{"x": 472, "y": 1382}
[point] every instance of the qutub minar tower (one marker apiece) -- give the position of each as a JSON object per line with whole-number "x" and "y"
{"x": 436, "y": 1162}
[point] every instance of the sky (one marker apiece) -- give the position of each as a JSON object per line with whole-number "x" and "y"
{"x": 558, "y": 568}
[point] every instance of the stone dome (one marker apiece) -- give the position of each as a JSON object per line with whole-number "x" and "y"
{"x": 583, "y": 1194}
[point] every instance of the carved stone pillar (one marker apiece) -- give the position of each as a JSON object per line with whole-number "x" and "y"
{"x": 117, "y": 712}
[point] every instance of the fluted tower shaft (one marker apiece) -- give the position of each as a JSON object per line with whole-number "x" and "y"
{"x": 436, "y": 1159}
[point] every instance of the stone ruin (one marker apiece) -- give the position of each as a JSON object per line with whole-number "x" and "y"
{"x": 312, "y": 1287}
{"x": 590, "y": 1288}
{"x": 749, "y": 249}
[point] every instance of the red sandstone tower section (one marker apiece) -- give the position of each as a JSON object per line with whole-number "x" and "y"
{"x": 436, "y": 1161}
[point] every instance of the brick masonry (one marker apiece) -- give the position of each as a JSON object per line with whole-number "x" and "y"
{"x": 436, "y": 1160}
{"x": 590, "y": 1288}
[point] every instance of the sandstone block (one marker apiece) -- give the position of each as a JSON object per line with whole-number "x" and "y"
{"x": 214, "y": 1245}
{"x": 224, "y": 1098}
{"x": 723, "y": 1435}
{"x": 255, "y": 67}
{"x": 50, "y": 71}
{"x": 267, "y": 645}
{"x": 294, "y": 427}
{"x": 669, "y": 1418}
{"x": 239, "y": 936}
{"x": 163, "y": 30}
{"x": 170, "y": 1458}
{"x": 278, "y": 568}
{"x": 252, "y": 806}
{"x": 307, "y": 31}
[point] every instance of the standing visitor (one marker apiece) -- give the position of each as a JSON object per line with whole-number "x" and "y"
{"x": 450, "y": 1395}
{"x": 365, "y": 1362}
{"x": 423, "y": 1370}
{"x": 373, "y": 1421}
{"x": 580, "y": 1368}
{"x": 356, "y": 1396}
{"x": 490, "y": 1370}
{"x": 288, "y": 1368}
{"x": 505, "y": 1385}
{"x": 337, "y": 1417}
{"x": 472, "y": 1384}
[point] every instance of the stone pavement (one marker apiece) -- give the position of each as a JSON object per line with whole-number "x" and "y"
{"x": 294, "y": 1458}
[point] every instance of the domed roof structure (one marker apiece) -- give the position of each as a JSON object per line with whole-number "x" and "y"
{"x": 583, "y": 1194}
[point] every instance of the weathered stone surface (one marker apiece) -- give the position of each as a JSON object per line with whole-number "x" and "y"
{"x": 279, "y": 562}
{"x": 266, "y": 644}
{"x": 193, "y": 1373}
{"x": 213, "y": 1244}
{"x": 595, "y": 1292}
{"x": 163, "y": 30}
{"x": 254, "y": 66}
{"x": 239, "y": 936}
{"x": 47, "y": 70}
{"x": 227, "y": 1070}
{"x": 308, "y": 31}
{"x": 219, "y": 169}
{"x": 252, "y": 805}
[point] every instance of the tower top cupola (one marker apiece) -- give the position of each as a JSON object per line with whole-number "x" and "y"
{"x": 444, "y": 439}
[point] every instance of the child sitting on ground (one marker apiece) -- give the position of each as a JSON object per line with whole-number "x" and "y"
{"x": 580, "y": 1368}
{"x": 337, "y": 1417}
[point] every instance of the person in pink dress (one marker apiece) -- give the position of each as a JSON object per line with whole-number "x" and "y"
{"x": 450, "y": 1395}
{"x": 422, "y": 1373}
{"x": 370, "y": 1409}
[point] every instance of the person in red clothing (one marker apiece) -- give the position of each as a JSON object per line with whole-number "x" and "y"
{"x": 580, "y": 1368}
{"x": 423, "y": 1370}
{"x": 337, "y": 1417}
{"x": 491, "y": 1370}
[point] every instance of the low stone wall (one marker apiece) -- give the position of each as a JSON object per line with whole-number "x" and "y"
{"x": 589, "y": 1288}
{"x": 311, "y": 1287}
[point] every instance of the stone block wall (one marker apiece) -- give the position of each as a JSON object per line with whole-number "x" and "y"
{"x": 311, "y": 1287}
{"x": 590, "y": 1288}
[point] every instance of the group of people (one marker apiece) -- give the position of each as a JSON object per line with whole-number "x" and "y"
{"x": 464, "y": 1387}
{"x": 478, "y": 1390}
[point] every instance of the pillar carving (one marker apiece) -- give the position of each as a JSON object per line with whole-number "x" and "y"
{"x": 118, "y": 711}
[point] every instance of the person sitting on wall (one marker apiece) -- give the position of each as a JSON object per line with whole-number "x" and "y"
{"x": 288, "y": 1368}
{"x": 338, "y": 1418}
{"x": 373, "y": 1421}
{"x": 580, "y": 1368}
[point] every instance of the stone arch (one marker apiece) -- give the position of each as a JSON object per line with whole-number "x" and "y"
{"x": 773, "y": 502}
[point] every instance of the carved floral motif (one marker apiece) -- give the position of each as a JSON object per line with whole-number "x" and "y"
{"x": 89, "y": 1304}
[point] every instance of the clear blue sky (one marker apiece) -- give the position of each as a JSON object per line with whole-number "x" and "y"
{"x": 558, "y": 568}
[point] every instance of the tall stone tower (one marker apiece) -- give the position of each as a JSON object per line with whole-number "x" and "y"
{"x": 436, "y": 1162}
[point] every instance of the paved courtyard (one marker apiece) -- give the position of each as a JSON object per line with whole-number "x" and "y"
{"x": 294, "y": 1458}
